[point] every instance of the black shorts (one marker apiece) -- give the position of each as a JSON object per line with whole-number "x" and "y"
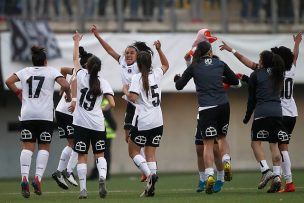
{"x": 150, "y": 138}
{"x": 84, "y": 136}
{"x": 39, "y": 130}
{"x": 65, "y": 126}
{"x": 289, "y": 124}
{"x": 269, "y": 129}
{"x": 214, "y": 122}
{"x": 130, "y": 111}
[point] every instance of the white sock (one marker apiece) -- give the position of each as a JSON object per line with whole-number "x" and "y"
{"x": 276, "y": 170}
{"x": 226, "y": 158}
{"x": 202, "y": 176}
{"x": 152, "y": 166}
{"x": 82, "y": 175}
{"x": 220, "y": 175}
{"x": 141, "y": 163}
{"x": 101, "y": 165}
{"x": 286, "y": 166}
{"x": 41, "y": 162}
{"x": 72, "y": 162}
{"x": 25, "y": 163}
{"x": 209, "y": 172}
{"x": 64, "y": 158}
{"x": 263, "y": 166}
{"x": 142, "y": 152}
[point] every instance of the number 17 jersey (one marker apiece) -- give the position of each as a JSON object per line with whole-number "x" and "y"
{"x": 37, "y": 92}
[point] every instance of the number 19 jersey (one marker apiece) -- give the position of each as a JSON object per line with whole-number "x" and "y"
{"x": 88, "y": 113}
{"x": 148, "y": 114}
{"x": 289, "y": 107}
{"x": 37, "y": 92}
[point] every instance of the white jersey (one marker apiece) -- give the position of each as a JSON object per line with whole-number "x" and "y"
{"x": 37, "y": 92}
{"x": 63, "y": 106}
{"x": 148, "y": 113}
{"x": 126, "y": 72}
{"x": 289, "y": 107}
{"x": 88, "y": 113}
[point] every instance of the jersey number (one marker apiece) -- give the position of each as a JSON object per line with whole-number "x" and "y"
{"x": 89, "y": 97}
{"x": 286, "y": 93}
{"x": 39, "y": 86}
{"x": 155, "y": 95}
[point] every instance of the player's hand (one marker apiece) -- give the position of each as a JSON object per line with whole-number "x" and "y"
{"x": 224, "y": 46}
{"x": 77, "y": 36}
{"x": 68, "y": 98}
{"x": 93, "y": 29}
{"x": 72, "y": 106}
{"x": 125, "y": 89}
{"x": 157, "y": 45}
{"x": 297, "y": 38}
{"x": 187, "y": 57}
{"x": 176, "y": 77}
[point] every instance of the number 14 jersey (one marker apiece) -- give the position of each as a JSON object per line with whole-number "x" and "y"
{"x": 88, "y": 113}
{"x": 37, "y": 92}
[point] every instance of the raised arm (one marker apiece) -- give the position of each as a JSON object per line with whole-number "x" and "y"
{"x": 247, "y": 62}
{"x": 104, "y": 44}
{"x": 66, "y": 71}
{"x": 297, "y": 40}
{"x": 162, "y": 57}
{"x": 77, "y": 37}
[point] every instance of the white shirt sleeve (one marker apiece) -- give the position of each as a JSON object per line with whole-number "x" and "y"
{"x": 55, "y": 73}
{"x": 20, "y": 74}
{"x": 159, "y": 73}
{"x": 106, "y": 87}
{"x": 121, "y": 60}
{"x": 135, "y": 84}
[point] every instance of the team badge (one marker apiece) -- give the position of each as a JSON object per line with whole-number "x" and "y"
{"x": 140, "y": 140}
{"x": 283, "y": 136}
{"x": 156, "y": 140}
{"x": 45, "y": 136}
{"x": 61, "y": 131}
{"x": 100, "y": 145}
{"x": 26, "y": 134}
{"x": 80, "y": 146}
{"x": 210, "y": 132}
{"x": 262, "y": 134}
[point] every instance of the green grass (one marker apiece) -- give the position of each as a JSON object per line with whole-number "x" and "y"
{"x": 170, "y": 188}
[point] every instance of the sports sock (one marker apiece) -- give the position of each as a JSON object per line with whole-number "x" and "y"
{"x": 263, "y": 166}
{"x": 220, "y": 175}
{"x": 209, "y": 172}
{"x": 82, "y": 175}
{"x": 142, "y": 152}
{"x": 152, "y": 166}
{"x": 64, "y": 158}
{"x": 72, "y": 162}
{"x": 141, "y": 163}
{"x": 286, "y": 166}
{"x": 25, "y": 163}
{"x": 101, "y": 165}
{"x": 202, "y": 176}
{"x": 41, "y": 162}
{"x": 226, "y": 158}
{"x": 276, "y": 170}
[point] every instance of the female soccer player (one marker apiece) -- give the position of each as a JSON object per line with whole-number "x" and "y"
{"x": 289, "y": 108}
{"x": 64, "y": 117}
{"x": 214, "y": 110}
{"x": 36, "y": 118}
{"x": 88, "y": 121}
{"x": 145, "y": 92}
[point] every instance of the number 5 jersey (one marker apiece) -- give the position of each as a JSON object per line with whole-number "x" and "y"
{"x": 37, "y": 92}
{"x": 88, "y": 113}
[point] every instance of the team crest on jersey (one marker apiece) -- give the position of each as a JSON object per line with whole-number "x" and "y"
{"x": 208, "y": 61}
{"x": 123, "y": 66}
{"x": 26, "y": 134}
{"x": 80, "y": 146}
{"x": 262, "y": 134}
{"x": 268, "y": 71}
{"x": 140, "y": 140}
{"x": 100, "y": 145}
{"x": 156, "y": 140}
{"x": 283, "y": 136}
{"x": 210, "y": 132}
{"x": 61, "y": 131}
{"x": 45, "y": 136}
{"x": 70, "y": 130}
{"x": 129, "y": 70}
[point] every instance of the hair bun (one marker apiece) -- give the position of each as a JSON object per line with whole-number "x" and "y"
{"x": 37, "y": 50}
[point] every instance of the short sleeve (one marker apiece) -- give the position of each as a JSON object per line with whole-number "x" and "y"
{"x": 55, "y": 73}
{"x": 158, "y": 73}
{"x": 121, "y": 60}
{"x": 106, "y": 88}
{"x": 135, "y": 84}
{"x": 20, "y": 74}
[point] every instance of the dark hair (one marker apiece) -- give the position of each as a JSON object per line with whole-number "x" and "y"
{"x": 38, "y": 56}
{"x": 94, "y": 66}
{"x": 144, "y": 63}
{"x": 201, "y": 50}
{"x": 276, "y": 64}
{"x": 142, "y": 46}
{"x": 286, "y": 55}
{"x": 84, "y": 56}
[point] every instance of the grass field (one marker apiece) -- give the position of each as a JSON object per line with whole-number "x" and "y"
{"x": 170, "y": 188}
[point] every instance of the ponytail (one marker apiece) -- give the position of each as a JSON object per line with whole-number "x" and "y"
{"x": 144, "y": 65}
{"x": 94, "y": 66}
{"x": 277, "y": 72}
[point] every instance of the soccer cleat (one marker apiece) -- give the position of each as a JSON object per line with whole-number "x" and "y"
{"x": 201, "y": 186}
{"x": 36, "y": 185}
{"x": 209, "y": 185}
{"x": 265, "y": 178}
{"x": 227, "y": 172}
{"x": 25, "y": 190}
{"x": 70, "y": 177}
{"x": 83, "y": 194}
{"x": 218, "y": 186}
{"x": 102, "y": 188}
{"x": 150, "y": 188}
{"x": 289, "y": 187}
{"x": 58, "y": 177}
{"x": 143, "y": 177}
{"x": 275, "y": 186}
